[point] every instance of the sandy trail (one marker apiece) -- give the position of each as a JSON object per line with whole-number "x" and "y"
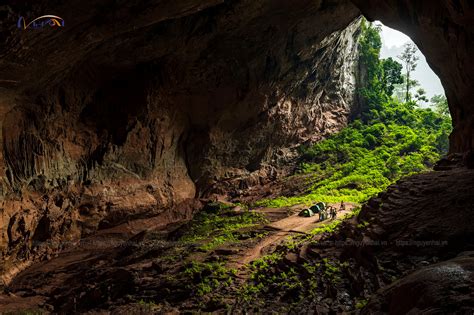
{"x": 284, "y": 228}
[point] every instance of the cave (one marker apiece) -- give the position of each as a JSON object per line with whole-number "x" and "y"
{"x": 130, "y": 119}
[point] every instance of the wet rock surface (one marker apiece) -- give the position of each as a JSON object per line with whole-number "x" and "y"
{"x": 425, "y": 220}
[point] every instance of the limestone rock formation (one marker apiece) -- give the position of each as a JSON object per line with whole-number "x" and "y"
{"x": 136, "y": 108}
{"x": 132, "y": 108}
{"x": 440, "y": 288}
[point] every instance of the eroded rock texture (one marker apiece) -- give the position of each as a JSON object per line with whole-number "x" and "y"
{"x": 443, "y": 287}
{"x": 138, "y": 106}
{"x": 444, "y": 32}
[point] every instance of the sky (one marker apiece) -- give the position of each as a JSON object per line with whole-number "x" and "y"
{"x": 392, "y": 46}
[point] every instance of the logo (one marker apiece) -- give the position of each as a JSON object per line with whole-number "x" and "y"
{"x": 41, "y": 22}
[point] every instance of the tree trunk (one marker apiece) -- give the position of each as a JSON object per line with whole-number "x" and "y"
{"x": 407, "y": 96}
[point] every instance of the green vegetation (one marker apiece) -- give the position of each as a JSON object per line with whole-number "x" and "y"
{"x": 266, "y": 276}
{"x": 204, "y": 278}
{"x": 219, "y": 225}
{"x": 327, "y": 228}
{"x": 203, "y": 275}
{"x": 410, "y": 60}
{"x": 440, "y": 104}
{"x": 361, "y": 304}
{"x": 271, "y": 274}
{"x": 389, "y": 140}
{"x": 363, "y": 224}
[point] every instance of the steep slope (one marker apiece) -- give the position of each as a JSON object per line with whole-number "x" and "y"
{"x": 409, "y": 250}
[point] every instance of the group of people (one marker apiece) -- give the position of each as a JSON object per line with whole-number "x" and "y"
{"x": 331, "y": 211}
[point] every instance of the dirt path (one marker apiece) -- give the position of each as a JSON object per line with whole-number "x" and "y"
{"x": 291, "y": 225}
{"x": 34, "y": 286}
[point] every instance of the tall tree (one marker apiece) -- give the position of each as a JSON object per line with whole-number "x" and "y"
{"x": 392, "y": 75}
{"x": 400, "y": 89}
{"x": 421, "y": 95}
{"x": 440, "y": 104}
{"x": 410, "y": 59}
{"x": 370, "y": 44}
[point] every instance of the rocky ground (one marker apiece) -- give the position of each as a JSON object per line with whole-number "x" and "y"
{"x": 142, "y": 264}
{"x": 410, "y": 249}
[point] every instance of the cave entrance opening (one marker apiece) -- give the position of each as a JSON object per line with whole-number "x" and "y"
{"x": 425, "y": 85}
{"x": 401, "y": 129}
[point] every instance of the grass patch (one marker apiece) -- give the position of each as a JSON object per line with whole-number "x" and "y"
{"x": 204, "y": 278}
{"x": 217, "y": 227}
{"x": 270, "y": 274}
{"x": 349, "y": 167}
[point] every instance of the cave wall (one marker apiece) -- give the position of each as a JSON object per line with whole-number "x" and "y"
{"x": 135, "y": 107}
{"x": 444, "y": 32}
{"x": 100, "y": 100}
{"x": 138, "y": 106}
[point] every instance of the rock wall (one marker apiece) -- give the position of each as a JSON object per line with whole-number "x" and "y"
{"x": 444, "y": 31}
{"x": 136, "y": 107}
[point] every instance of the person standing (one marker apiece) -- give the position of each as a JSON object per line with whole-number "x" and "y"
{"x": 333, "y": 213}
{"x": 343, "y": 206}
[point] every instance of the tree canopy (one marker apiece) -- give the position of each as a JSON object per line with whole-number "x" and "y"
{"x": 392, "y": 75}
{"x": 440, "y": 104}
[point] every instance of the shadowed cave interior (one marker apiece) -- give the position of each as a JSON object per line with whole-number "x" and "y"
{"x": 156, "y": 155}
